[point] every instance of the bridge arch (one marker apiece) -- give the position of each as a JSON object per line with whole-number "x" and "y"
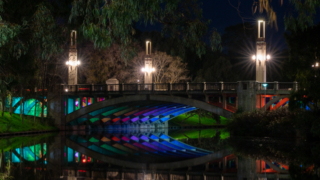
{"x": 140, "y": 98}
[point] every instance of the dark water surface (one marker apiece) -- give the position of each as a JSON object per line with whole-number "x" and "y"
{"x": 207, "y": 154}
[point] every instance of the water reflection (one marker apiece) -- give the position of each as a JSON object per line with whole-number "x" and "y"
{"x": 186, "y": 154}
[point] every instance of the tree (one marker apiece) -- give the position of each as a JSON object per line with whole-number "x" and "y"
{"x": 168, "y": 69}
{"x": 300, "y": 18}
{"x": 304, "y": 52}
{"x": 108, "y": 21}
{"x": 100, "y": 64}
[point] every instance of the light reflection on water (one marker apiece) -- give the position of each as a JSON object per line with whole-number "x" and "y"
{"x": 182, "y": 154}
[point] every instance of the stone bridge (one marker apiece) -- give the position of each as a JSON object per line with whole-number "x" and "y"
{"x": 123, "y": 105}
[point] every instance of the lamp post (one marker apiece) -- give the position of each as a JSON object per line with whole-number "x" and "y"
{"x": 261, "y": 55}
{"x": 148, "y": 69}
{"x": 265, "y": 94}
{"x": 73, "y": 62}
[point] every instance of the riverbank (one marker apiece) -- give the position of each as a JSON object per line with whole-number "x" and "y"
{"x": 13, "y": 124}
{"x": 194, "y": 121}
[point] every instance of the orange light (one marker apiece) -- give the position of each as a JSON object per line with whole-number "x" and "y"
{"x": 84, "y": 160}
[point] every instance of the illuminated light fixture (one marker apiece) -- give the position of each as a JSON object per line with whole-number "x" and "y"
{"x": 148, "y": 70}
{"x": 312, "y": 65}
{"x": 254, "y": 57}
{"x": 317, "y": 64}
{"x": 66, "y": 90}
{"x": 264, "y": 85}
{"x": 268, "y": 57}
{"x": 73, "y": 63}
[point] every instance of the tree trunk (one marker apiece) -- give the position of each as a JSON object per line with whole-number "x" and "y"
{"x": 10, "y": 110}
{"x": 2, "y": 105}
{"x": 35, "y": 111}
{"x": 22, "y": 111}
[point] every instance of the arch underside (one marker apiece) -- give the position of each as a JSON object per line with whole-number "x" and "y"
{"x": 138, "y": 150}
{"x": 147, "y": 112}
{"x": 139, "y": 109}
{"x": 30, "y": 106}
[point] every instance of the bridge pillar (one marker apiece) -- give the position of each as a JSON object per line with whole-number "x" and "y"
{"x": 224, "y": 101}
{"x": 247, "y": 95}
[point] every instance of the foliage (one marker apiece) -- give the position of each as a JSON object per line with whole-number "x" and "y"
{"x": 276, "y": 123}
{"x": 7, "y": 175}
{"x": 303, "y": 53}
{"x": 300, "y": 19}
{"x": 108, "y": 21}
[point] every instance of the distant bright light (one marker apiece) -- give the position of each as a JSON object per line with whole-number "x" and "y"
{"x": 264, "y": 85}
{"x": 259, "y": 57}
{"x": 148, "y": 70}
{"x": 312, "y": 65}
{"x": 66, "y": 90}
{"x": 73, "y": 63}
{"x": 254, "y": 57}
{"x": 317, "y": 64}
{"x": 268, "y": 57}
{"x": 138, "y": 80}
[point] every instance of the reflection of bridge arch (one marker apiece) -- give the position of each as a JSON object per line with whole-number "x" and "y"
{"x": 28, "y": 153}
{"x": 117, "y": 150}
{"x": 143, "y": 98}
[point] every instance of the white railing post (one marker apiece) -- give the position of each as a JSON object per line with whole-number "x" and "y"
{"x": 204, "y": 86}
{"x": 187, "y": 86}
{"x": 222, "y": 88}
{"x": 276, "y": 86}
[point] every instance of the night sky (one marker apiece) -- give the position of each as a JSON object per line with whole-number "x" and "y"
{"x": 222, "y": 15}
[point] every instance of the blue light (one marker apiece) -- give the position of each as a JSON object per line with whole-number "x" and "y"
{"x": 264, "y": 85}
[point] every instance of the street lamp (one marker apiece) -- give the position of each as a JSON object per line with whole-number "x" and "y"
{"x": 315, "y": 66}
{"x": 73, "y": 63}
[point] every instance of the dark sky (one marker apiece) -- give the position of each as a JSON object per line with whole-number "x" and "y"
{"x": 222, "y": 15}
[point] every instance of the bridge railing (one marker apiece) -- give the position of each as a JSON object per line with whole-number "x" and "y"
{"x": 288, "y": 86}
{"x": 215, "y": 86}
{"x": 182, "y": 87}
{"x": 195, "y": 86}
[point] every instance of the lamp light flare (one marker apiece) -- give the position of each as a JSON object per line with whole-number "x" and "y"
{"x": 312, "y": 65}
{"x": 264, "y": 85}
{"x": 254, "y": 57}
{"x": 268, "y": 57}
{"x": 317, "y": 64}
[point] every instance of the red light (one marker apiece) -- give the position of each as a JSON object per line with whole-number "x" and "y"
{"x": 84, "y": 160}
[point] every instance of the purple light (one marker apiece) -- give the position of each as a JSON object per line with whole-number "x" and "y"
{"x": 134, "y": 138}
{"x": 77, "y": 154}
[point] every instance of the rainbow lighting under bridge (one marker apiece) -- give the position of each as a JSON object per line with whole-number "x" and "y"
{"x": 135, "y": 114}
{"x": 138, "y": 147}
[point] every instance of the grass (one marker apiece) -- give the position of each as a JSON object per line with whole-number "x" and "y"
{"x": 194, "y": 121}
{"x": 10, "y": 124}
{"x": 15, "y": 142}
{"x": 194, "y": 134}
